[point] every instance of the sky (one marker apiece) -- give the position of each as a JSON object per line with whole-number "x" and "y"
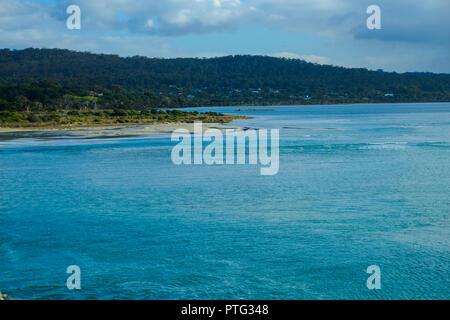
{"x": 414, "y": 34}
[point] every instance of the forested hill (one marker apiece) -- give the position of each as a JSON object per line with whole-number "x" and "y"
{"x": 45, "y": 76}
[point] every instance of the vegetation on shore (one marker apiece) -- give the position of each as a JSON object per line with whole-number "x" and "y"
{"x": 54, "y": 79}
{"x": 90, "y": 118}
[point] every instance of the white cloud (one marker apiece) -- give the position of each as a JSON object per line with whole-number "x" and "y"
{"x": 18, "y": 15}
{"x": 148, "y": 26}
{"x": 178, "y": 17}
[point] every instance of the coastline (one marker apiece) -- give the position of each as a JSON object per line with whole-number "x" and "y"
{"x": 313, "y": 104}
{"x": 110, "y": 131}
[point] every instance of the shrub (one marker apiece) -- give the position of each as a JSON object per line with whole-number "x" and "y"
{"x": 33, "y": 118}
{"x": 8, "y": 116}
{"x": 119, "y": 113}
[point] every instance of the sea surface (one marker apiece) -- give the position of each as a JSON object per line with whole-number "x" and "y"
{"x": 358, "y": 185}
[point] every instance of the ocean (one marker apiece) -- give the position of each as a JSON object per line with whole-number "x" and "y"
{"x": 358, "y": 185}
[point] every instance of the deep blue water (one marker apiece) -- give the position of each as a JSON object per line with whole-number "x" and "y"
{"x": 362, "y": 185}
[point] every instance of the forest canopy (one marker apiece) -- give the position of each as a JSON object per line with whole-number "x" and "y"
{"x": 42, "y": 79}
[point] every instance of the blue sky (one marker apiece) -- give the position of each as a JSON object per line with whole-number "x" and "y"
{"x": 415, "y": 34}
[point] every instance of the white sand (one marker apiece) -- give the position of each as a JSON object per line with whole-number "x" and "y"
{"x": 122, "y": 130}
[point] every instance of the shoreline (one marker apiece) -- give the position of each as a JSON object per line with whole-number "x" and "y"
{"x": 109, "y": 131}
{"x": 310, "y": 105}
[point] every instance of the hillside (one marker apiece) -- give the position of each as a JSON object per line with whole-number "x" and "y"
{"x": 46, "y": 78}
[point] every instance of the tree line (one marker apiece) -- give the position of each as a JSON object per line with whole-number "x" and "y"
{"x": 35, "y": 79}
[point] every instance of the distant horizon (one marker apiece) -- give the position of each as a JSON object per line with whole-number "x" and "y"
{"x": 228, "y": 55}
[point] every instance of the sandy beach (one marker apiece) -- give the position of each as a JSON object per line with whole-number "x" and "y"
{"x": 107, "y": 131}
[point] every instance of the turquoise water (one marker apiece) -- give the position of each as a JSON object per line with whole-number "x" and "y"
{"x": 358, "y": 185}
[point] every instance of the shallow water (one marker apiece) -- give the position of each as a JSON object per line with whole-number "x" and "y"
{"x": 358, "y": 185}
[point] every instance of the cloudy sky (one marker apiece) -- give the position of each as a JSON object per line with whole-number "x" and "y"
{"x": 415, "y": 34}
